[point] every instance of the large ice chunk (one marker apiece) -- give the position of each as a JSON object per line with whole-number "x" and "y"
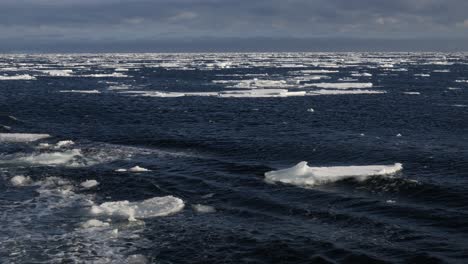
{"x": 303, "y": 175}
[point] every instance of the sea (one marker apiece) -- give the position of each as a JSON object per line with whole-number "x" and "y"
{"x": 234, "y": 158}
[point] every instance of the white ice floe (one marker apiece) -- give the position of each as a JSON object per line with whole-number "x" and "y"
{"x": 255, "y": 93}
{"x": 303, "y": 175}
{"x": 461, "y": 81}
{"x": 21, "y": 137}
{"x": 88, "y": 184}
{"x": 311, "y": 110}
{"x": 20, "y": 180}
{"x": 105, "y": 75}
{"x": 364, "y": 74}
{"x": 412, "y": 93}
{"x": 81, "y": 91}
{"x": 17, "y": 77}
{"x": 58, "y": 73}
{"x": 422, "y": 75}
{"x": 158, "y": 206}
{"x": 342, "y": 85}
{"x": 344, "y": 92}
{"x": 200, "y": 208}
{"x": 64, "y": 143}
{"x": 138, "y": 169}
{"x": 93, "y": 223}
{"x": 319, "y": 71}
{"x": 51, "y": 158}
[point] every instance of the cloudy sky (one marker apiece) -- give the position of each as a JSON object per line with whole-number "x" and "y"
{"x": 134, "y": 25}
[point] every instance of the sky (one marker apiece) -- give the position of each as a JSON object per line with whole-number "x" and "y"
{"x": 232, "y": 25}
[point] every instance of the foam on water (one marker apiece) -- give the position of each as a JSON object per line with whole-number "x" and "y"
{"x": 303, "y": 175}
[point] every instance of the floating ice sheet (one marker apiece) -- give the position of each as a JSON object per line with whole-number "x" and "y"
{"x": 303, "y": 175}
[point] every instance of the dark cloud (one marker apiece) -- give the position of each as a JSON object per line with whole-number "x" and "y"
{"x": 160, "y": 20}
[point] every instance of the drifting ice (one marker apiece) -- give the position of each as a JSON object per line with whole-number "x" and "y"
{"x": 303, "y": 175}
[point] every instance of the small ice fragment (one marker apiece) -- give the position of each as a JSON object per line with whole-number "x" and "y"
{"x": 206, "y": 196}
{"x": 120, "y": 170}
{"x": 94, "y": 223}
{"x": 362, "y": 134}
{"x": 200, "y": 208}
{"x": 20, "y": 180}
{"x": 88, "y": 184}
{"x": 138, "y": 169}
{"x": 137, "y": 259}
{"x": 64, "y": 143}
{"x": 391, "y": 201}
{"x": 398, "y": 135}
{"x": 311, "y": 110}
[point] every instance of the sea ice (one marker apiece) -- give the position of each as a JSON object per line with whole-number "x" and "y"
{"x": 342, "y": 85}
{"x": 94, "y": 223}
{"x": 88, "y": 184}
{"x": 157, "y": 206}
{"x": 303, "y": 175}
{"x": 20, "y": 180}
{"x": 21, "y": 137}
{"x": 200, "y": 208}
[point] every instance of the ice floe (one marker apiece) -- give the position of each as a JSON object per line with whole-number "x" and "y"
{"x": 342, "y": 85}
{"x": 88, "y": 184}
{"x": 20, "y": 180}
{"x": 17, "y": 77}
{"x": 154, "y": 207}
{"x": 303, "y": 175}
{"x": 200, "y": 208}
{"x": 93, "y": 223}
{"x": 21, "y": 137}
{"x": 81, "y": 91}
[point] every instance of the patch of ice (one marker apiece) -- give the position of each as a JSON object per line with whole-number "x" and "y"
{"x": 412, "y": 93}
{"x": 58, "y": 73}
{"x": 17, "y": 77}
{"x": 20, "y": 180}
{"x": 137, "y": 169}
{"x": 343, "y": 85}
{"x": 21, "y": 137}
{"x": 422, "y": 75}
{"x": 81, "y": 91}
{"x": 64, "y": 143}
{"x": 93, "y": 223}
{"x": 88, "y": 184}
{"x": 303, "y": 175}
{"x": 344, "y": 92}
{"x": 200, "y": 208}
{"x": 52, "y": 158}
{"x": 154, "y": 207}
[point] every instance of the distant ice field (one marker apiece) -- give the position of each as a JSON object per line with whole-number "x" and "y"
{"x": 234, "y": 158}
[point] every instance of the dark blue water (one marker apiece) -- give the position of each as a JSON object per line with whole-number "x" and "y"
{"x": 214, "y": 151}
